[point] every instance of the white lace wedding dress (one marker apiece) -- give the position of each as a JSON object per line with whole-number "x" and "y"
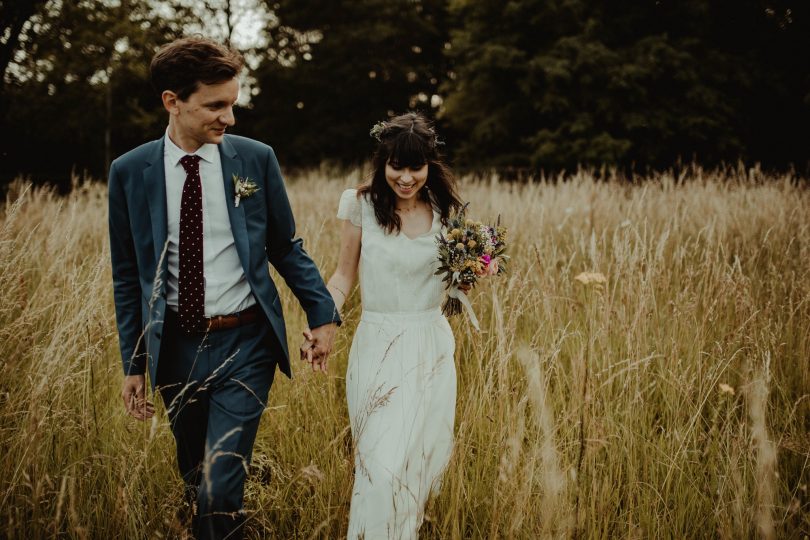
{"x": 401, "y": 379}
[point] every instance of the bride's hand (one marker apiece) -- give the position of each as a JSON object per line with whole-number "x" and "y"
{"x": 323, "y": 338}
{"x": 317, "y": 346}
{"x": 306, "y": 346}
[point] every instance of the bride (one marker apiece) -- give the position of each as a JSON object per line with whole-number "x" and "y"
{"x": 401, "y": 377}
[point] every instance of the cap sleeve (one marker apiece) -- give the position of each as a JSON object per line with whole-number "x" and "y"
{"x": 349, "y": 207}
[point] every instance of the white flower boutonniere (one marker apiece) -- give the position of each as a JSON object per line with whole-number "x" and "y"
{"x": 243, "y": 187}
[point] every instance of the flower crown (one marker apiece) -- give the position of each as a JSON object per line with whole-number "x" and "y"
{"x": 378, "y": 131}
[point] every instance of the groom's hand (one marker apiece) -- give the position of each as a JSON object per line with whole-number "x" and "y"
{"x": 317, "y": 346}
{"x": 133, "y": 392}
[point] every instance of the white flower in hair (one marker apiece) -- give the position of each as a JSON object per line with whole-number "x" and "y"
{"x": 377, "y": 129}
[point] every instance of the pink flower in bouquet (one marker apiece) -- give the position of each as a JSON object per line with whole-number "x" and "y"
{"x": 492, "y": 268}
{"x": 489, "y": 266}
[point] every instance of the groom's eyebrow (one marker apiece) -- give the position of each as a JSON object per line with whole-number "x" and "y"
{"x": 219, "y": 103}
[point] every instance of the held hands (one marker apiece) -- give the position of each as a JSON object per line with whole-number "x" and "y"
{"x": 317, "y": 346}
{"x": 133, "y": 393}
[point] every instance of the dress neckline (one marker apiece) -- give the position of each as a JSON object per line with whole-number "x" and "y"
{"x": 430, "y": 232}
{"x": 424, "y": 234}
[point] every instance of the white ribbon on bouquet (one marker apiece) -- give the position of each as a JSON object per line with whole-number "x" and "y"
{"x": 459, "y": 295}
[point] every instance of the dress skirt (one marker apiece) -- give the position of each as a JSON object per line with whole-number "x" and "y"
{"x": 401, "y": 394}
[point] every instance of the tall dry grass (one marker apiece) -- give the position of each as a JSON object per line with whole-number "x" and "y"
{"x": 671, "y": 402}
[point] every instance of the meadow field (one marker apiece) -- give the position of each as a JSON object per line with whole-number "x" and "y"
{"x": 671, "y": 401}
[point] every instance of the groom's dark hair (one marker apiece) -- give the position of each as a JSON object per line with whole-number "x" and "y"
{"x": 180, "y": 66}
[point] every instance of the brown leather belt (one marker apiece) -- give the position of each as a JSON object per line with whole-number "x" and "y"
{"x": 234, "y": 320}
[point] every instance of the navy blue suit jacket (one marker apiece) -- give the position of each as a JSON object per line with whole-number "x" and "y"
{"x": 263, "y": 231}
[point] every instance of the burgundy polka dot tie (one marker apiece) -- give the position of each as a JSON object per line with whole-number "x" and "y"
{"x": 191, "y": 284}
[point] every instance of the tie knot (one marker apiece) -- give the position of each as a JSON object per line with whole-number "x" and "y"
{"x": 190, "y": 163}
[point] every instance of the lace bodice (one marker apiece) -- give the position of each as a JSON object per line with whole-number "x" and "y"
{"x": 396, "y": 272}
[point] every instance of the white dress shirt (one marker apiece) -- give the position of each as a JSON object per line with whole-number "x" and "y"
{"x": 226, "y": 288}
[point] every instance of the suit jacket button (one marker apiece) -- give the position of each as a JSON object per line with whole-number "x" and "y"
{"x": 157, "y": 335}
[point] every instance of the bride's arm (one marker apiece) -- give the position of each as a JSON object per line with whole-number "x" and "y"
{"x": 341, "y": 283}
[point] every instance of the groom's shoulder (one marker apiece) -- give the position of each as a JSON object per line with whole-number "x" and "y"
{"x": 246, "y": 145}
{"x": 138, "y": 156}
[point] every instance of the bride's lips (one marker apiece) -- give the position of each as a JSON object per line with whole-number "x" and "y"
{"x": 406, "y": 188}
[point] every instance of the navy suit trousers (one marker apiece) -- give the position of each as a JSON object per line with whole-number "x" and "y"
{"x": 215, "y": 389}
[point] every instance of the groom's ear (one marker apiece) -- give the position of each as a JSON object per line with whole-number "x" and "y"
{"x": 170, "y": 101}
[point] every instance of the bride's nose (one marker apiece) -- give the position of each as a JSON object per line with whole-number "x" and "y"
{"x": 406, "y": 175}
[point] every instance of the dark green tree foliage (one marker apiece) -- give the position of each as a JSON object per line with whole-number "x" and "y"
{"x": 80, "y": 93}
{"x": 14, "y": 14}
{"x": 339, "y": 66}
{"x": 533, "y": 84}
{"x": 556, "y": 83}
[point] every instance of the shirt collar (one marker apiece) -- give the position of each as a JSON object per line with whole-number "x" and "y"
{"x": 206, "y": 152}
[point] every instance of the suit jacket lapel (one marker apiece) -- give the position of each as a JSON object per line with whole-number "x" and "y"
{"x": 154, "y": 178}
{"x": 232, "y": 165}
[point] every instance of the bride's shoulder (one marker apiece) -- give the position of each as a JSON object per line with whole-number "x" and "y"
{"x": 349, "y": 206}
{"x": 353, "y": 197}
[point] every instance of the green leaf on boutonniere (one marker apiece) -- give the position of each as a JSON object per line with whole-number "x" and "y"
{"x": 243, "y": 188}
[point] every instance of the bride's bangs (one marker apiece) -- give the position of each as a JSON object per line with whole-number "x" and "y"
{"x": 409, "y": 150}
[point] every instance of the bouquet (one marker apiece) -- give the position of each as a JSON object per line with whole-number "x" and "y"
{"x": 469, "y": 250}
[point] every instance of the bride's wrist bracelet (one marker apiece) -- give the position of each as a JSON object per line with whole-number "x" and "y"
{"x": 338, "y": 289}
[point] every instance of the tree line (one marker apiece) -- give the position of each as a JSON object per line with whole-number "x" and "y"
{"x": 514, "y": 85}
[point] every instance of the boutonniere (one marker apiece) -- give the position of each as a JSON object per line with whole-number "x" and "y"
{"x": 243, "y": 187}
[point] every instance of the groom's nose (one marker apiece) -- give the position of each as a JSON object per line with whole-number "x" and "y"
{"x": 227, "y": 117}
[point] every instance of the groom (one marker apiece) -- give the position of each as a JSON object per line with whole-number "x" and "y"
{"x": 194, "y": 219}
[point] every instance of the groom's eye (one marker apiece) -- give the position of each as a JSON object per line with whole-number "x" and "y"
{"x": 215, "y": 105}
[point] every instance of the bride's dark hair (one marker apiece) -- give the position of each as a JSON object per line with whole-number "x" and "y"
{"x": 410, "y": 141}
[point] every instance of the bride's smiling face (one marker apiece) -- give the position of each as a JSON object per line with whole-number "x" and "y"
{"x": 405, "y": 181}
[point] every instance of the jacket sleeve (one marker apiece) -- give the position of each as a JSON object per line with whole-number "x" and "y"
{"x": 286, "y": 252}
{"x": 126, "y": 285}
